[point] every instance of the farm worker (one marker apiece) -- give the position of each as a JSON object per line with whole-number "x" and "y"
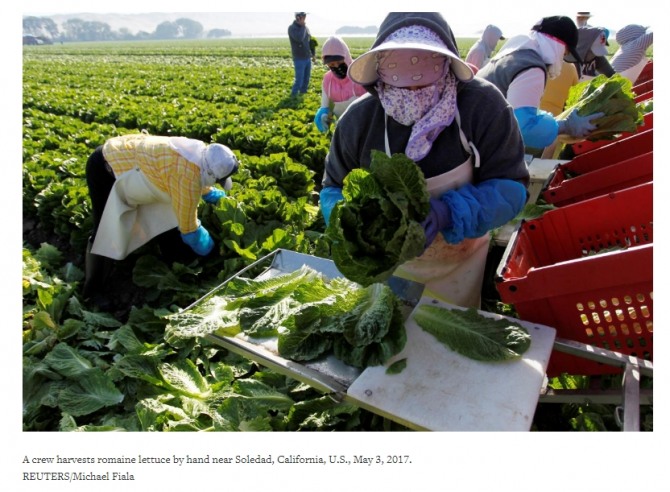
{"x": 582, "y": 19}
{"x": 631, "y": 57}
{"x": 592, "y": 49}
{"x": 337, "y": 89}
{"x": 303, "y": 52}
{"x": 480, "y": 52}
{"x": 521, "y": 69}
{"x": 143, "y": 186}
{"x": 424, "y": 102}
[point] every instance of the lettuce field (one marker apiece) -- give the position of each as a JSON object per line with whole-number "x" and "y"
{"x": 109, "y": 367}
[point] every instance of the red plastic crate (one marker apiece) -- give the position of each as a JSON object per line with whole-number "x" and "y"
{"x": 644, "y": 87}
{"x": 643, "y": 96}
{"x": 568, "y": 186}
{"x": 588, "y": 145}
{"x": 647, "y": 73}
{"x": 615, "y": 151}
{"x": 550, "y": 275}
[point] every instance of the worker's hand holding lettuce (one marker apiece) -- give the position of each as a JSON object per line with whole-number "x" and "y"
{"x": 577, "y": 126}
{"x": 606, "y": 103}
{"x": 439, "y": 217}
{"x": 378, "y": 224}
{"x": 384, "y": 216}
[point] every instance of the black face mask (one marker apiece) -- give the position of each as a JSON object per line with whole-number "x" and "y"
{"x": 340, "y": 71}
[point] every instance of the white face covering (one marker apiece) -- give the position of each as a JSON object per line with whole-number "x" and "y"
{"x": 551, "y": 50}
{"x": 216, "y": 161}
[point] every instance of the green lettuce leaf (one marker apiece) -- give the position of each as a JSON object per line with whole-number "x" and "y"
{"x": 376, "y": 353}
{"x": 610, "y": 95}
{"x": 94, "y": 391}
{"x": 473, "y": 335}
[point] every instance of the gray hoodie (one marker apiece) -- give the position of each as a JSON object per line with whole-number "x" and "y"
{"x": 481, "y": 51}
{"x": 592, "y": 64}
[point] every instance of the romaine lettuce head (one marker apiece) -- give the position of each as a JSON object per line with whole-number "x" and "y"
{"x": 612, "y": 96}
{"x": 377, "y": 225}
{"x": 403, "y": 180}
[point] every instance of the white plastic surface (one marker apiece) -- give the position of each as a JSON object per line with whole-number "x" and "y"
{"x": 441, "y": 390}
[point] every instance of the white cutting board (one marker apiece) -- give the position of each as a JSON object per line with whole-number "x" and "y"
{"x": 441, "y": 390}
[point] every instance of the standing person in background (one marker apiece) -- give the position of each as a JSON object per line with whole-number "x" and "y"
{"x": 480, "y": 52}
{"x": 592, "y": 49}
{"x": 631, "y": 57}
{"x": 424, "y": 102}
{"x": 521, "y": 69}
{"x": 303, "y": 53}
{"x": 143, "y": 187}
{"x": 582, "y": 19}
{"x": 337, "y": 89}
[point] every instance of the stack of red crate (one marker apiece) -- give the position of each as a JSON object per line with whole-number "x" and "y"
{"x": 618, "y": 165}
{"x": 586, "y": 270}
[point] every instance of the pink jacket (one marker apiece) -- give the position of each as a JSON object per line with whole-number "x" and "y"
{"x": 340, "y": 91}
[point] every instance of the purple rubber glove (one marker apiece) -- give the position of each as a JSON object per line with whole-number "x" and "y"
{"x": 438, "y": 218}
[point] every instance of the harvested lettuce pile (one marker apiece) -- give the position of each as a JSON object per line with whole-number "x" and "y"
{"x": 377, "y": 226}
{"x": 309, "y": 315}
{"x": 610, "y": 95}
{"x": 473, "y": 335}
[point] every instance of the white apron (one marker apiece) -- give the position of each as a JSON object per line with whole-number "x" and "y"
{"x": 136, "y": 212}
{"x": 451, "y": 272}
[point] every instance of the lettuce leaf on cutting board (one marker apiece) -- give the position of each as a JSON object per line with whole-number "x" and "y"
{"x": 473, "y": 335}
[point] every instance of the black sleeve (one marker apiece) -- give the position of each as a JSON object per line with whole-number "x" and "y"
{"x": 603, "y": 66}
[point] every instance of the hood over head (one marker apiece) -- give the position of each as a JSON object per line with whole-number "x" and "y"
{"x": 491, "y": 35}
{"x": 592, "y": 42}
{"x": 335, "y": 46}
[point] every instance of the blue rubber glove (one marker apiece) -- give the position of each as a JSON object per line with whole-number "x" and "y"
{"x": 438, "y": 218}
{"x": 322, "y": 119}
{"x": 214, "y": 196}
{"x": 199, "y": 240}
{"x": 578, "y": 126}
{"x": 328, "y": 197}
{"x": 477, "y": 209}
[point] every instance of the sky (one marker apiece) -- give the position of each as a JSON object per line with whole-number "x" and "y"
{"x": 543, "y": 462}
{"x": 465, "y": 17}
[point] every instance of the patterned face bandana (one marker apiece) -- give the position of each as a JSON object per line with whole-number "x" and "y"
{"x": 430, "y": 109}
{"x": 407, "y": 106}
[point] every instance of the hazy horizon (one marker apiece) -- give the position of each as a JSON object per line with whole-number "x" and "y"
{"x": 325, "y": 23}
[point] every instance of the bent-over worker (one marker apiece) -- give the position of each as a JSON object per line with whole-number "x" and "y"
{"x": 143, "y": 186}
{"x": 521, "y": 69}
